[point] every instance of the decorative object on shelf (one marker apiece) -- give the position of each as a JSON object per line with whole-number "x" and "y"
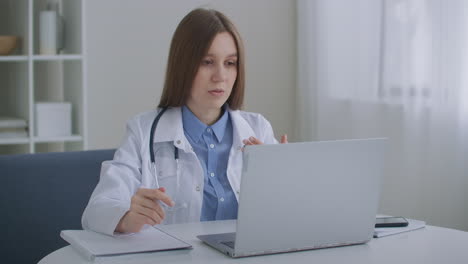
{"x": 11, "y": 127}
{"x": 53, "y": 119}
{"x": 51, "y": 30}
{"x": 8, "y": 44}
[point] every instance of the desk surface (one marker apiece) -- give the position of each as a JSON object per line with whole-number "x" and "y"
{"x": 429, "y": 245}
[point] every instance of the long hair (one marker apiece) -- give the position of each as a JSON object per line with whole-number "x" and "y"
{"x": 190, "y": 43}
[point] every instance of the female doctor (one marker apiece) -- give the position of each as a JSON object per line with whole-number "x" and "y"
{"x": 183, "y": 162}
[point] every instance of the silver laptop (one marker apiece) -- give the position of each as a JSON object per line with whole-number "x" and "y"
{"x": 301, "y": 196}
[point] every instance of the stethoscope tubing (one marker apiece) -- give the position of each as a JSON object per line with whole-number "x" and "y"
{"x": 152, "y": 131}
{"x": 154, "y": 125}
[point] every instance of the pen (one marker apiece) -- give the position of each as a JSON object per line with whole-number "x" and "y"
{"x": 156, "y": 182}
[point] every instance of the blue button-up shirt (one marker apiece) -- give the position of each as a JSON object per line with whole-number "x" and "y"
{"x": 212, "y": 145}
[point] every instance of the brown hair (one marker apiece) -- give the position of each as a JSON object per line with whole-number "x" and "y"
{"x": 190, "y": 43}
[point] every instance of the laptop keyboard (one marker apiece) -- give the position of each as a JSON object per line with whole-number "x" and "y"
{"x": 229, "y": 244}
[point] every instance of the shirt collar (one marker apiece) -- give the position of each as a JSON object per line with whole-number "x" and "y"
{"x": 220, "y": 126}
{"x": 195, "y": 128}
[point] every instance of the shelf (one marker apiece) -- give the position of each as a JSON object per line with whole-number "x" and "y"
{"x": 10, "y": 141}
{"x": 28, "y": 76}
{"x": 13, "y": 58}
{"x": 25, "y": 140}
{"x": 72, "y": 138}
{"x": 67, "y": 57}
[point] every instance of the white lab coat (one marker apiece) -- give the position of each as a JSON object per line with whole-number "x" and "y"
{"x": 131, "y": 168}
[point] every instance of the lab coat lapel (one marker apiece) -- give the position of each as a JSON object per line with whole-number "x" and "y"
{"x": 241, "y": 130}
{"x": 170, "y": 128}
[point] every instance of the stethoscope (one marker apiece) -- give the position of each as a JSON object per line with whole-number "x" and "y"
{"x": 151, "y": 147}
{"x": 153, "y": 159}
{"x": 153, "y": 129}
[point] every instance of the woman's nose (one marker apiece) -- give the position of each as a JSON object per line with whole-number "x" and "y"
{"x": 219, "y": 74}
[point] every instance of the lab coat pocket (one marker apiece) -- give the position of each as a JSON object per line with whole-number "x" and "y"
{"x": 166, "y": 167}
{"x": 164, "y": 159}
{"x": 167, "y": 175}
{"x": 168, "y": 178}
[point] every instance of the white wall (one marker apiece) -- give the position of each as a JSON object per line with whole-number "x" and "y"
{"x": 128, "y": 42}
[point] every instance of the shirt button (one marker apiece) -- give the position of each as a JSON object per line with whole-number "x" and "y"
{"x": 212, "y": 174}
{"x": 197, "y": 188}
{"x": 211, "y": 145}
{"x": 222, "y": 199}
{"x": 208, "y": 129}
{"x": 178, "y": 142}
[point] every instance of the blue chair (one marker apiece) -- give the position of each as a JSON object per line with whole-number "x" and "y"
{"x": 42, "y": 194}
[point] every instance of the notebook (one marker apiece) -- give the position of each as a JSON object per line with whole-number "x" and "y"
{"x": 91, "y": 244}
{"x": 301, "y": 196}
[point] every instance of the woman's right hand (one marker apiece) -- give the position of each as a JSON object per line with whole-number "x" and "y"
{"x": 144, "y": 209}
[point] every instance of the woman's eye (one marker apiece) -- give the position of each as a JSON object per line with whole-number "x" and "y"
{"x": 207, "y": 62}
{"x": 231, "y": 63}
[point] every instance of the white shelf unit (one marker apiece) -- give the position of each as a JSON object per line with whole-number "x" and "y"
{"x": 27, "y": 77}
{"x": 13, "y": 58}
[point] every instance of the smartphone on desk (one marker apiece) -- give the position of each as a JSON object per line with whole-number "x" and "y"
{"x": 391, "y": 221}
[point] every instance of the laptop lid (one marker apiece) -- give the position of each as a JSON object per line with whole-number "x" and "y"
{"x": 308, "y": 195}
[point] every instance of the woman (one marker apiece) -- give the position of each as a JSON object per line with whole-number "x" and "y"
{"x": 197, "y": 140}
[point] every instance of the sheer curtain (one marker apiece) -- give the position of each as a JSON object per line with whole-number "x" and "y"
{"x": 396, "y": 69}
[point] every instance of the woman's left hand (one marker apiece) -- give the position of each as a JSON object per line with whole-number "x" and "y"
{"x": 256, "y": 141}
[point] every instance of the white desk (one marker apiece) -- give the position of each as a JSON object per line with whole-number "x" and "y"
{"x": 428, "y": 245}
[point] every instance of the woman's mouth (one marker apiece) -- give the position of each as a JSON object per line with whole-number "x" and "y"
{"x": 216, "y": 92}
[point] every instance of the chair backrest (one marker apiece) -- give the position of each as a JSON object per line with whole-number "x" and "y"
{"x": 42, "y": 194}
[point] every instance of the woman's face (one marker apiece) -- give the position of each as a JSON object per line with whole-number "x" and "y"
{"x": 216, "y": 75}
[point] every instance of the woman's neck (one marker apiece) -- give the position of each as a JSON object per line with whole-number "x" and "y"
{"x": 206, "y": 115}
